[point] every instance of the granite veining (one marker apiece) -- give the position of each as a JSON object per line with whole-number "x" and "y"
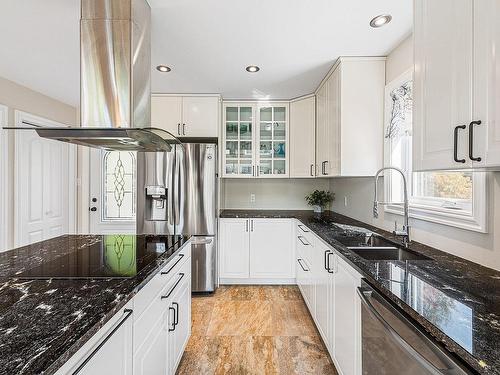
{"x": 455, "y": 301}
{"x": 43, "y": 322}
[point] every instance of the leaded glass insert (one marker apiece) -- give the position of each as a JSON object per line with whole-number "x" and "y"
{"x": 119, "y": 180}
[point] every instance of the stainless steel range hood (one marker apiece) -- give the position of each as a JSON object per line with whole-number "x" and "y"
{"x": 115, "y": 75}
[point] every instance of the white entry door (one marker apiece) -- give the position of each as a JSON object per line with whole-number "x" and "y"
{"x": 112, "y": 191}
{"x": 44, "y": 198}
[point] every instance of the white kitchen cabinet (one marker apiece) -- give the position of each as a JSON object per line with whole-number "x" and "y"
{"x": 111, "y": 344}
{"x": 234, "y": 248}
{"x": 271, "y": 249}
{"x": 347, "y": 319}
{"x": 166, "y": 113}
{"x": 255, "y": 140}
{"x": 456, "y": 85}
{"x": 186, "y": 116}
{"x": 302, "y": 137}
{"x": 258, "y": 251}
{"x": 349, "y": 111}
{"x": 179, "y": 318}
{"x": 443, "y": 83}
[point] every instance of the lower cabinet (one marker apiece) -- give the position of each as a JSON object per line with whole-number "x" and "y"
{"x": 328, "y": 285}
{"x": 257, "y": 251}
{"x": 148, "y": 336}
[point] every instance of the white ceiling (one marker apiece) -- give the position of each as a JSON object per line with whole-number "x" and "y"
{"x": 208, "y": 43}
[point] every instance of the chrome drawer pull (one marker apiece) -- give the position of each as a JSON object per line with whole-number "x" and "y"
{"x": 173, "y": 266}
{"x": 303, "y": 243}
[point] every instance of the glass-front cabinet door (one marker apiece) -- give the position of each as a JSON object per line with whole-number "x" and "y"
{"x": 272, "y": 140}
{"x": 239, "y": 160}
{"x": 255, "y": 140}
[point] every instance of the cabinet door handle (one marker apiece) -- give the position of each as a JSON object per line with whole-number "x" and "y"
{"x": 176, "y": 317}
{"x": 311, "y": 170}
{"x": 301, "y": 266}
{"x": 170, "y": 329}
{"x": 328, "y": 262}
{"x": 178, "y": 129}
{"x": 246, "y": 226}
{"x": 175, "y": 286}
{"x": 251, "y": 222}
{"x": 253, "y": 170}
{"x": 183, "y": 129}
{"x": 126, "y": 314}
{"x": 455, "y": 144}
{"x": 471, "y": 140}
{"x": 301, "y": 240}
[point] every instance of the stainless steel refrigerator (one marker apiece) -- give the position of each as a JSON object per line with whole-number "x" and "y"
{"x": 177, "y": 194}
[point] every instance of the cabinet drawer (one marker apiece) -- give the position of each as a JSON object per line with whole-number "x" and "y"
{"x": 158, "y": 305}
{"x": 159, "y": 281}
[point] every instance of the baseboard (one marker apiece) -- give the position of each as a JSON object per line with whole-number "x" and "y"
{"x": 236, "y": 281}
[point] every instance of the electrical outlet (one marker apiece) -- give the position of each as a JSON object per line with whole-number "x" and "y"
{"x": 252, "y": 198}
{"x": 345, "y": 201}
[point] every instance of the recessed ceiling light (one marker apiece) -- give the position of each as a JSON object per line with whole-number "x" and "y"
{"x": 163, "y": 68}
{"x": 252, "y": 68}
{"x": 381, "y": 20}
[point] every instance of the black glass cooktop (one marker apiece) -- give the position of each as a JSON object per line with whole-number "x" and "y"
{"x": 115, "y": 256}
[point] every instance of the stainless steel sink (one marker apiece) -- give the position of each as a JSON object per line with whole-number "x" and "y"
{"x": 388, "y": 253}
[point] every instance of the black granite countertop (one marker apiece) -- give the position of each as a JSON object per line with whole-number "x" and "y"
{"x": 452, "y": 299}
{"x": 43, "y": 322}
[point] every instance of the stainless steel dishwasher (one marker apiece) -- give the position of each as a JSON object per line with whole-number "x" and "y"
{"x": 392, "y": 345}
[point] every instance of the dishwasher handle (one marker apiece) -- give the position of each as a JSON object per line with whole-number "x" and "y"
{"x": 364, "y": 295}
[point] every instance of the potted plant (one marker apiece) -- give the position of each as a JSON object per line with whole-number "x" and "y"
{"x": 319, "y": 199}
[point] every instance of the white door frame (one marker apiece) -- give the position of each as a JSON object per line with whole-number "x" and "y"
{"x": 4, "y": 188}
{"x": 20, "y": 119}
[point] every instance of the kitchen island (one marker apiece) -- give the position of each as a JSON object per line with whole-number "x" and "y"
{"x": 46, "y": 319}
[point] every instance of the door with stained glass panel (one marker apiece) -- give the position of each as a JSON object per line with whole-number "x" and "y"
{"x": 239, "y": 140}
{"x": 112, "y": 192}
{"x": 272, "y": 140}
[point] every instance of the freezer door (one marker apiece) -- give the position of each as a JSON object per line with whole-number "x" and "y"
{"x": 203, "y": 263}
{"x": 198, "y": 190}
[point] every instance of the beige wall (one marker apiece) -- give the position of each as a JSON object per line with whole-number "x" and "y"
{"x": 477, "y": 247}
{"x": 269, "y": 194}
{"x": 17, "y": 97}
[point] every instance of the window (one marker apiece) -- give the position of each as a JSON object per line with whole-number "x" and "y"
{"x": 454, "y": 198}
{"x": 119, "y": 175}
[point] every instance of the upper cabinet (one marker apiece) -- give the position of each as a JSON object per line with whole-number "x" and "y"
{"x": 349, "y": 115}
{"x": 456, "y": 110}
{"x": 302, "y": 137}
{"x": 186, "y": 116}
{"x": 255, "y": 140}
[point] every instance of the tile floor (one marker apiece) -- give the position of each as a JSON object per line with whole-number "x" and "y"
{"x": 254, "y": 330}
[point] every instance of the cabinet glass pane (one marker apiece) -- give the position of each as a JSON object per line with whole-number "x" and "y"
{"x": 231, "y": 130}
{"x": 231, "y": 166}
{"x": 245, "y": 130}
{"x": 265, "y": 167}
{"x": 246, "y": 114}
{"x": 231, "y": 149}
{"x": 279, "y": 150}
{"x": 246, "y": 167}
{"x": 245, "y": 149}
{"x": 279, "y": 167}
{"x": 266, "y": 130}
{"x": 279, "y": 114}
{"x": 266, "y": 114}
{"x": 279, "y": 130}
{"x": 266, "y": 150}
{"x": 231, "y": 113}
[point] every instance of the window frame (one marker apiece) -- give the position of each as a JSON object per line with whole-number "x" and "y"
{"x": 475, "y": 221}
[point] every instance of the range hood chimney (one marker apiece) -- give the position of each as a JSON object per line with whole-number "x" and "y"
{"x": 115, "y": 75}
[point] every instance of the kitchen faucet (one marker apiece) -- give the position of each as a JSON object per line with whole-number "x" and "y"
{"x": 405, "y": 231}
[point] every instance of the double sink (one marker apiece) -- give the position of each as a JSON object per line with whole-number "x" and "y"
{"x": 371, "y": 246}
